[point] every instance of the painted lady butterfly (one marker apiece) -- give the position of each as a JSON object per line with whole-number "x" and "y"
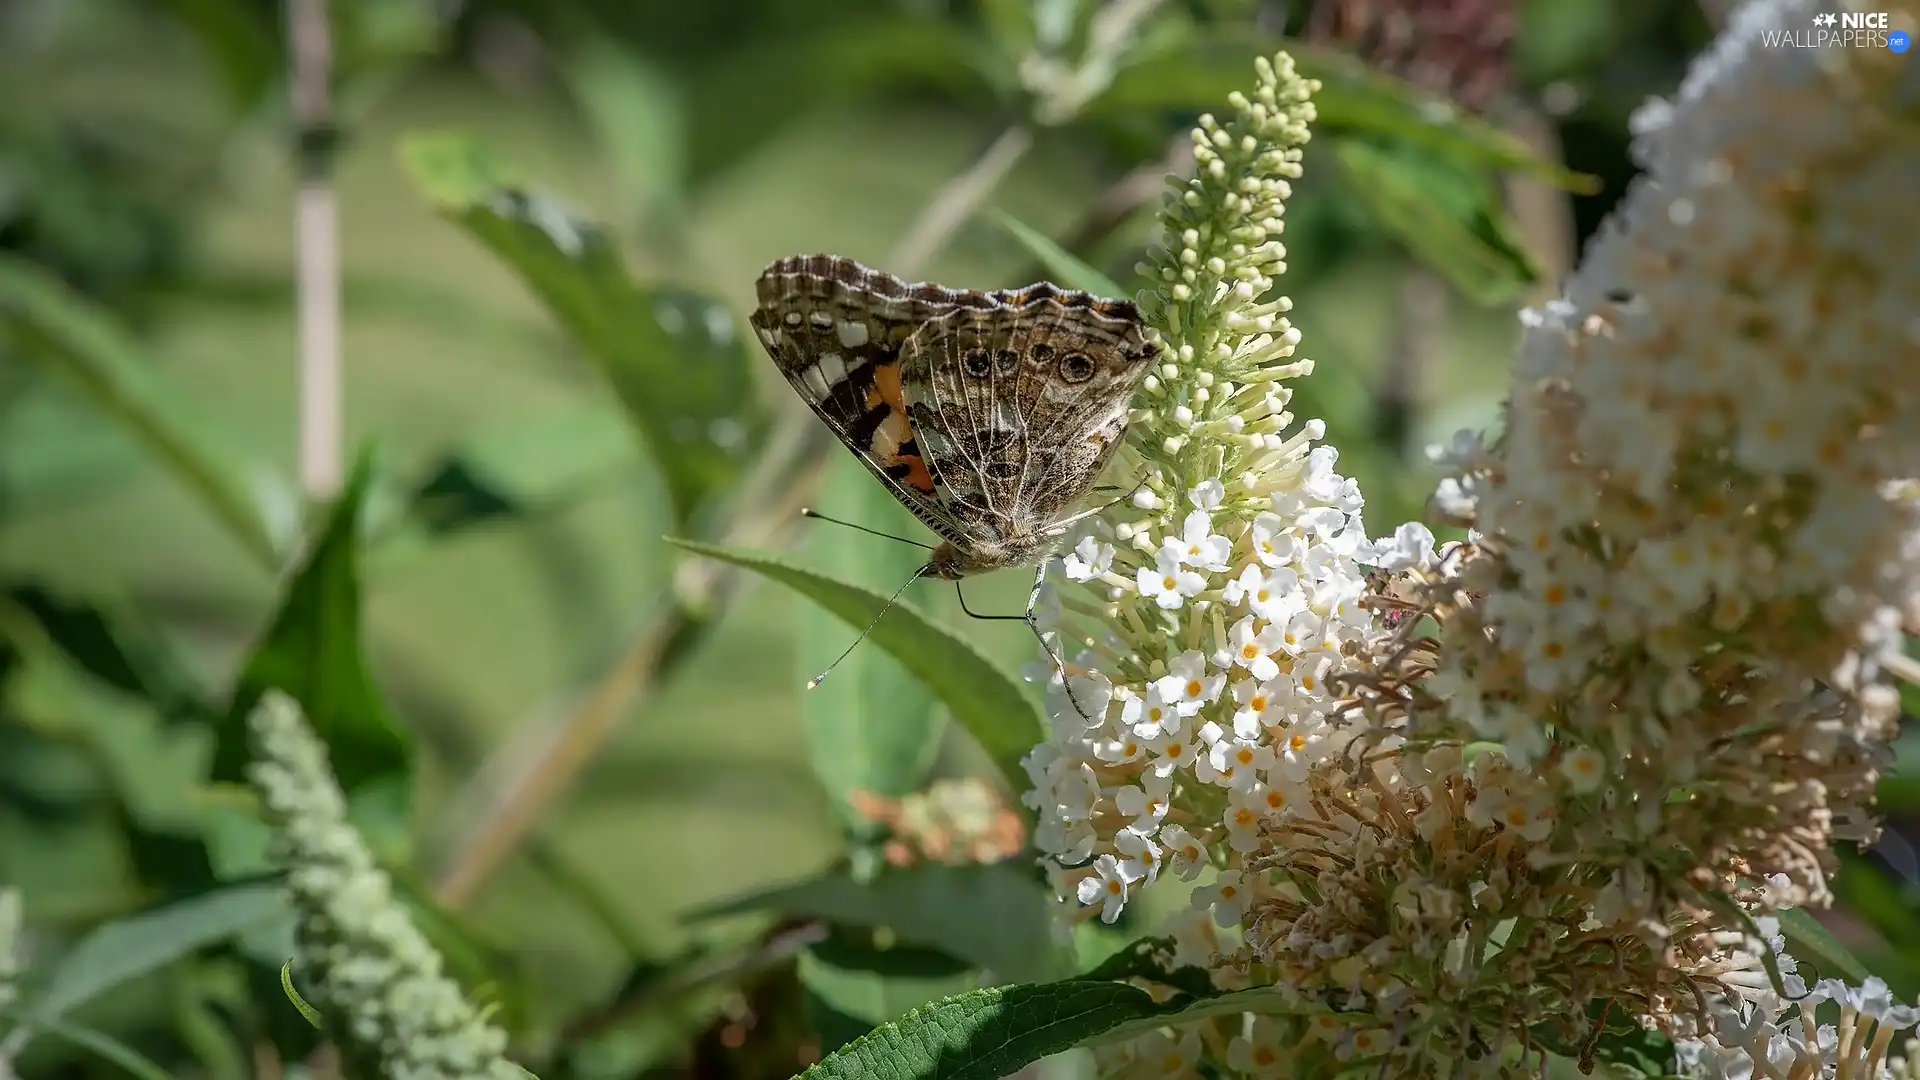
{"x": 988, "y": 414}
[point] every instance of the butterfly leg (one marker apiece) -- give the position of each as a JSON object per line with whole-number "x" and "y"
{"x": 1033, "y": 624}
{"x": 1032, "y": 620}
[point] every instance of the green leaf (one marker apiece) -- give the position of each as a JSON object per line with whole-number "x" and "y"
{"x": 112, "y": 643}
{"x": 524, "y": 469}
{"x": 991, "y": 1033}
{"x": 311, "y": 1014}
{"x": 872, "y": 727}
{"x": 1811, "y": 943}
{"x": 312, "y": 651}
{"x": 90, "y": 349}
{"x": 125, "y": 950}
{"x": 101, "y": 1045}
{"x": 1453, "y": 221}
{"x": 983, "y": 698}
{"x": 855, "y": 985}
{"x": 995, "y": 916}
{"x": 1066, "y": 268}
{"x": 1197, "y": 73}
{"x": 675, "y": 360}
{"x": 635, "y": 110}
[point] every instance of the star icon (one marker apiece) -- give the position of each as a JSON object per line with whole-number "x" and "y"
{"x": 1825, "y": 19}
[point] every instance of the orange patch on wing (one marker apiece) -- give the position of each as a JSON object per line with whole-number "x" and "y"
{"x": 917, "y": 478}
{"x": 897, "y": 430}
{"x": 886, "y": 388}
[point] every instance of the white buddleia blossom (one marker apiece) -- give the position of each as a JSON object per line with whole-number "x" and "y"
{"x": 1693, "y": 549}
{"x": 372, "y": 975}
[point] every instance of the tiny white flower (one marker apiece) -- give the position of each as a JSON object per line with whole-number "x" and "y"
{"x": 1107, "y": 887}
{"x": 1187, "y": 686}
{"x": 1273, "y": 545}
{"x": 1244, "y": 821}
{"x": 1199, "y": 546}
{"x": 1168, "y": 581}
{"x": 1170, "y": 752}
{"x": 1584, "y": 767}
{"x": 1257, "y": 711}
{"x": 1145, "y": 803}
{"x": 1226, "y": 897}
{"x": 1140, "y": 855}
{"x": 1187, "y": 854}
{"x": 1240, "y": 761}
{"x": 1089, "y": 559}
{"x": 1251, "y": 649}
{"x": 1152, "y": 716}
{"x": 1207, "y": 494}
{"x": 1410, "y": 549}
{"x": 1265, "y": 1052}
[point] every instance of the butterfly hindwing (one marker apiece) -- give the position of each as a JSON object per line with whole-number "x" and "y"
{"x": 1018, "y": 407}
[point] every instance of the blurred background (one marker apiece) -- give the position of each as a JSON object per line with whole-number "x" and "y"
{"x": 549, "y": 219}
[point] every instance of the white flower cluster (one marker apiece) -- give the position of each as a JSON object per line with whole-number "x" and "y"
{"x": 1702, "y": 502}
{"x": 375, "y": 979}
{"x": 1228, "y": 591}
{"x": 1693, "y": 549}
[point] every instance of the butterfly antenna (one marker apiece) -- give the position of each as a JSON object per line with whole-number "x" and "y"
{"x": 808, "y": 511}
{"x": 884, "y": 608}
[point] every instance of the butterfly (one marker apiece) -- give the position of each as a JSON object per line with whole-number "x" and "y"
{"x": 989, "y": 415}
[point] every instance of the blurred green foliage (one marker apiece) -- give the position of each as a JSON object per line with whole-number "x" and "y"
{"x": 553, "y": 215}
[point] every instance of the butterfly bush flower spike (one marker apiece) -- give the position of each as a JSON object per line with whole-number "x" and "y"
{"x": 1226, "y": 591}
{"x": 371, "y": 974}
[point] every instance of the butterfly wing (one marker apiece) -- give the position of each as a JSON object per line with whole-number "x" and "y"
{"x": 835, "y": 330}
{"x": 1018, "y": 405}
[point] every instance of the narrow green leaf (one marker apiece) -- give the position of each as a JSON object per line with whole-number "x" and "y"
{"x": 675, "y": 360}
{"x": 983, "y": 698}
{"x": 121, "y": 951}
{"x": 991, "y": 1033}
{"x": 872, "y": 727}
{"x": 1197, "y": 72}
{"x": 90, "y": 349}
{"x": 101, "y": 1045}
{"x": 996, "y": 916}
{"x": 1453, "y": 221}
{"x": 1811, "y": 943}
{"x": 1067, "y": 269}
{"x": 312, "y": 650}
{"x": 311, "y": 1014}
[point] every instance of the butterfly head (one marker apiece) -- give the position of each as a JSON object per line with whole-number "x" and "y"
{"x": 951, "y": 563}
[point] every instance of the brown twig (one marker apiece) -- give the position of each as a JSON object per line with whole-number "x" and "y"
{"x": 317, "y": 251}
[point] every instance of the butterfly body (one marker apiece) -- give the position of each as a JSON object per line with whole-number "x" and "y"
{"x": 988, "y": 414}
